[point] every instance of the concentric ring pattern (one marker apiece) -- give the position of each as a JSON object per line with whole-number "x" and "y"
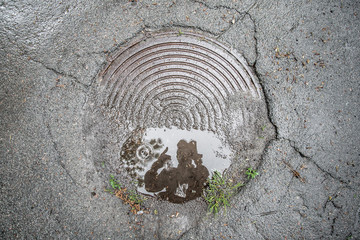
{"x": 172, "y": 79}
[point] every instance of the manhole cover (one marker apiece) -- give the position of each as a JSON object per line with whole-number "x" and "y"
{"x": 170, "y": 108}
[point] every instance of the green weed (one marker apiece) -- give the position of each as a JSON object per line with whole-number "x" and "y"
{"x": 135, "y": 197}
{"x": 219, "y": 192}
{"x": 252, "y": 173}
{"x": 130, "y": 197}
{"x": 115, "y": 184}
{"x": 349, "y": 237}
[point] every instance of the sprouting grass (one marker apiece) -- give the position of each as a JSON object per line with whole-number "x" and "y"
{"x": 262, "y": 129}
{"x": 135, "y": 197}
{"x": 219, "y": 192}
{"x": 115, "y": 185}
{"x": 252, "y": 173}
{"x": 130, "y": 197}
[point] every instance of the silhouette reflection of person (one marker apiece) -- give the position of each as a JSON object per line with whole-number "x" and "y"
{"x": 180, "y": 184}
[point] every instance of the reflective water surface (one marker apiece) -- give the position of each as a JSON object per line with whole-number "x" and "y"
{"x": 173, "y": 163}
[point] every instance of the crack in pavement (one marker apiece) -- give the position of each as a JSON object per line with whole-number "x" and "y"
{"x": 145, "y": 30}
{"x": 256, "y": 43}
{"x": 180, "y": 25}
{"x": 234, "y": 229}
{"x": 356, "y": 226}
{"x": 291, "y": 142}
{"x": 330, "y": 200}
{"x": 244, "y": 14}
{"x": 332, "y": 225}
{"x": 310, "y": 159}
{"x": 232, "y": 24}
{"x": 58, "y": 72}
{"x": 259, "y": 232}
{"x": 218, "y": 7}
{"x": 75, "y": 80}
{"x": 302, "y": 155}
{"x": 254, "y": 66}
{"x": 58, "y": 154}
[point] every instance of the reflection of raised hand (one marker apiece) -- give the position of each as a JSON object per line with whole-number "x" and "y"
{"x": 161, "y": 161}
{"x": 153, "y": 181}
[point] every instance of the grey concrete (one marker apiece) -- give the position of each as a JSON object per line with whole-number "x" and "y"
{"x": 306, "y": 55}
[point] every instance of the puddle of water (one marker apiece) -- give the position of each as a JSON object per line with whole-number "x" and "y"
{"x": 173, "y": 163}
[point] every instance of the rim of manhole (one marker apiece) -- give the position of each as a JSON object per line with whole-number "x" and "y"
{"x": 199, "y": 91}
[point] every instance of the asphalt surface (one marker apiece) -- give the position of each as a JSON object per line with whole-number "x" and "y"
{"x": 306, "y": 56}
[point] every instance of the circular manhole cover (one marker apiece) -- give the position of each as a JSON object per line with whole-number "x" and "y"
{"x": 170, "y": 108}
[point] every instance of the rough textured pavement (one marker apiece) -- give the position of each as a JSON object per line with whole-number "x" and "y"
{"x": 306, "y": 55}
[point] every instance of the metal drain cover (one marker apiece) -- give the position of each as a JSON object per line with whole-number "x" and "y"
{"x": 176, "y": 106}
{"x": 174, "y": 79}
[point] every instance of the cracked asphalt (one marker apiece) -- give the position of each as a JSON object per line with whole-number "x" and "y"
{"x": 306, "y": 56}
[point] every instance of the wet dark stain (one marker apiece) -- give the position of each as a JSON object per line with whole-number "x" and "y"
{"x": 183, "y": 183}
